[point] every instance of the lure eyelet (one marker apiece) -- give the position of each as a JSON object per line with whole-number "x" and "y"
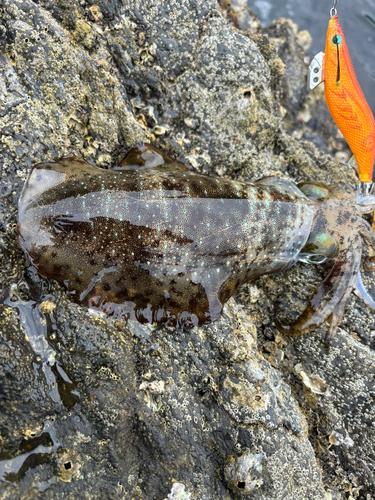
{"x": 336, "y": 39}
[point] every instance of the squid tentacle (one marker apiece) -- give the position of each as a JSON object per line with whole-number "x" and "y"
{"x": 368, "y": 235}
{"x": 329, "y": 299}
{"x": 362, "y": 293}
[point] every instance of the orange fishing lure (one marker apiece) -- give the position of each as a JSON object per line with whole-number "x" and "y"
{"x": 345, "y": 99}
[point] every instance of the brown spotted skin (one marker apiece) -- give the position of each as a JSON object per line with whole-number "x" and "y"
{"x": 154, "y": 240}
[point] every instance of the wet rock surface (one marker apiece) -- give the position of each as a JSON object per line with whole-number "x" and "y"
{"x": 91, "y": 408}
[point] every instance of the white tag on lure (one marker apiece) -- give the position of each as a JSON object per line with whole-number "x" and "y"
{"x": 315, "y": 71}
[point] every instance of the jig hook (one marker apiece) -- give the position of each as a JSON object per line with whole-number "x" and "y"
{"x": 333, "y": 11}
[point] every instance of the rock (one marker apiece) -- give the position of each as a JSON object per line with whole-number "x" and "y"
{"x": 240, "y": 15}
{"x": 244, "y": 473}
{"x": 178, "y": 492}
{"x": 283, "y": 33}
{"x": 95, "y": 408}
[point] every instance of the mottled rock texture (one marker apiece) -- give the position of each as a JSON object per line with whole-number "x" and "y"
{"x": 91, "y": 408}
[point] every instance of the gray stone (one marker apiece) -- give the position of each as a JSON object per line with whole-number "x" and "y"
{"x": 93, "y": 408}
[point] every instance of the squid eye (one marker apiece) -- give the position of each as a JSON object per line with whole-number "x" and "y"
{"x": 336, "y": 39}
